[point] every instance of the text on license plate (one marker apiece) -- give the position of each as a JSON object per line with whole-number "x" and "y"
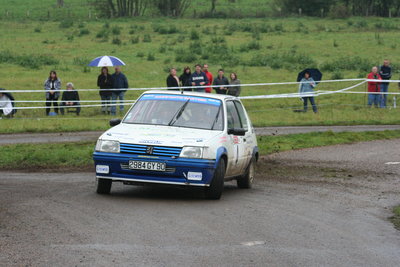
{"x": 146, "y": 165}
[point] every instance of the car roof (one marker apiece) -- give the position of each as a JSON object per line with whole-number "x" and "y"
{"x": 188, "y": 93}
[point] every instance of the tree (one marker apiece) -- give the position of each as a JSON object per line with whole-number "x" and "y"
{"x": 174, "y": 8}
{"x": 213, "y": 4}
{"x": 60, "y": 3}
{"x": 121, "y": 8}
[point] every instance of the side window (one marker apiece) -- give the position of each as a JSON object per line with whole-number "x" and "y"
{"x": 242, "y": 115}
{"x": 232, "y": 116}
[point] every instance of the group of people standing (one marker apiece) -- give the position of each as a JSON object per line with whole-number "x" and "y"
{"x": 112, "y": 87}
{"x": 377, "y": 91}
{"x": 201, "y": 80}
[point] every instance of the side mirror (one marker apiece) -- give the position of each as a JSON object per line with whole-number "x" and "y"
{"x": 114, "y": 122}
{"x": 237, "y": 131}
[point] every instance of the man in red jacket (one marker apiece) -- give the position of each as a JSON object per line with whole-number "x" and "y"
{"x": 209, "y": 77}
{"x": 373, "y": 87}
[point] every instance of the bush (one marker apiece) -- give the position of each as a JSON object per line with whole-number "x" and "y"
{"x": 66, "y": 24}
{"x": 194, "y": 35}
{"x": 348, "y": 63}
{"x": 84, "y": 32}
{"x": 29, "y": 61}
{"x": 180, "y": 38}
{"x": 116, "y": 30}
{"x": 289, "y": 60}
{"x": 134, "y": 40}
{"x": 151, "y": 57}
{"x": 116, "y": 41}
{"x": 185, "y": 56}
{"x": 38, "y": 29}
{"x": 162, "y": 49}
{"x": 102, "y": 34}
{"x": 337, "y": 75}
{"x": 147, "y": 38}
{"x": 339, "y": 11}
{"x": 140, "y": 54}
{"x": 132, "y": 31}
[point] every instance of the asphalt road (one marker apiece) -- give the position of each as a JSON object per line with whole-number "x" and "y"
{"x": 92, "y": 136}
{"x": 311, "y": 207}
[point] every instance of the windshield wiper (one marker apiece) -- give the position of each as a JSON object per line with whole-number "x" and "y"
{"x": 178, "y": 113}
{"x": 216, "y": 118}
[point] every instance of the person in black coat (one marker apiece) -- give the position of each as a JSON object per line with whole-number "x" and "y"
{"x": 221, "y": 81}
{"x": 70, "y": 98}
{"x": 104, "y": 82}
{"x": 185, "y": 78}
{"x": 173, "y": 80}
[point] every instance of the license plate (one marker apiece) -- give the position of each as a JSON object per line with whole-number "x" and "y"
{"x": 146, "y": 165}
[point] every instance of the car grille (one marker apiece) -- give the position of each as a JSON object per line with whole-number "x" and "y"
{"x": 156, "y": 150}
{"x": 125, "y": 166}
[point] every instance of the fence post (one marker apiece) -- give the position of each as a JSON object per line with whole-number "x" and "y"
{"x": 394, "y": 102}
{"x": 28, "y": 13}
{"x": 90, "y": 14}
{"x": 300, "y": 11}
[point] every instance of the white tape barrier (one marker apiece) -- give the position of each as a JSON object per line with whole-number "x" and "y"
{"x": 81, "y": 106}
{"x": 183, "y": 87}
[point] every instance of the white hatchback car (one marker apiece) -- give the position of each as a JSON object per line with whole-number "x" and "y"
{"x": 169, "y": 137}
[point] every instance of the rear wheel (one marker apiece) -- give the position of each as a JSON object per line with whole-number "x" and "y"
{"x": 214, "y": 191}
{"x": 103, "y": 186}
{"x": 246, "y": 181}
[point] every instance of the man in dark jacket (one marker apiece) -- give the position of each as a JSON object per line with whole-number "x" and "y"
{"x": 199, "y": 78}
{"x": 222, "y": 81}
{"x": 173, "y": 80}
{"x": 119, "y": 82}
{"x": 70, "y": 98}
{"x": 385, "y": 71}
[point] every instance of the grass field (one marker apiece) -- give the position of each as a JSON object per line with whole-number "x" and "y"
{"x": 78, "y": 156}
{"x": 259, "y": 50}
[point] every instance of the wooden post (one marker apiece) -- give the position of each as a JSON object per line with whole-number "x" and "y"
{"x": 90, "y": 14}
{"x": 300, "y": 11}
{"x": 322, "y": 12}
{"x": 27, "y": 13}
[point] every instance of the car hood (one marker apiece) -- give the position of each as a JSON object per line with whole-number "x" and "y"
{"x": 159, "y": 135}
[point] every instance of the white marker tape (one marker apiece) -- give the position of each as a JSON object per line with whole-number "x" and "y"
{"x": 253, "y": 243}
{"x": 392, "y": 163}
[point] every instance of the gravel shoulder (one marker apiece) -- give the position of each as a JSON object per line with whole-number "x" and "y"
{"x": 311, "y": 207}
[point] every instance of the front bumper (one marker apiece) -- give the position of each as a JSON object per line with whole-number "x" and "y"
{"x": 177, "y": 172}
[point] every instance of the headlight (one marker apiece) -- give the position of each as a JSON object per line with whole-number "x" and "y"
{"x": 107, "y": 146}
{"x": 192, "y": 152}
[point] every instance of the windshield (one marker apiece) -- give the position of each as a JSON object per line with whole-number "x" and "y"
{"x": 177, "y": 110}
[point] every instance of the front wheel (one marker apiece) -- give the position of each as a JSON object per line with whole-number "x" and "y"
{"x": 246, "y": 181}
{"x": 214, "y": 191}
{"x": 103, "y": 186}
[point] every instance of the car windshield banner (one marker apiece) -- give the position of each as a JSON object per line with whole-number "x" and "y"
{"x": 181, "y": 98}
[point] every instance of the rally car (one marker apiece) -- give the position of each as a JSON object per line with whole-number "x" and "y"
{"x": 174, "y": 138}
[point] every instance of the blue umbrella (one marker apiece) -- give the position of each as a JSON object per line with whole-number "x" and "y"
{"x": 106, "y": 61}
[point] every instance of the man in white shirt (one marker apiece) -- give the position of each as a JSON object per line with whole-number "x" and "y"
{"x": 6, "y": 107}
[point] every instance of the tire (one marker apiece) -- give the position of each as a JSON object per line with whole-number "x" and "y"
{"x": 246, "y": 181}
{"x": 103, "y": 186}
{"x": 214, "y": 191}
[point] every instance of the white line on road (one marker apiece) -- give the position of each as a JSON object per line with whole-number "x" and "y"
{"x": 392, "y": 163}
{"x": 253, "y": 243}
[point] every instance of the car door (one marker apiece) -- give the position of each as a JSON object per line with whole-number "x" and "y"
{"x": 237, "y": 157}
{"x": 248, "y": 142}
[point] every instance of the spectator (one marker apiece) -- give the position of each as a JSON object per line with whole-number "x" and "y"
{"x": 198, "y": 78}
{"x": 52, "y": 86}
{"x": 385, "y": 71}
{"x": 119, "y": 82}
{"x": 173, "y": 80}
{"x": 70, "y": 99}
{"x": 373, "y": 87}
{"x": 209, "y": 77}
{"x": 234, "y": 90}
{"x": 104, "y": 82}
{"x": 185, "y": 78}
{"x": 221, "y": 80}
{"x": 6, "y": 104}
{"x": 306, "y": 86}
